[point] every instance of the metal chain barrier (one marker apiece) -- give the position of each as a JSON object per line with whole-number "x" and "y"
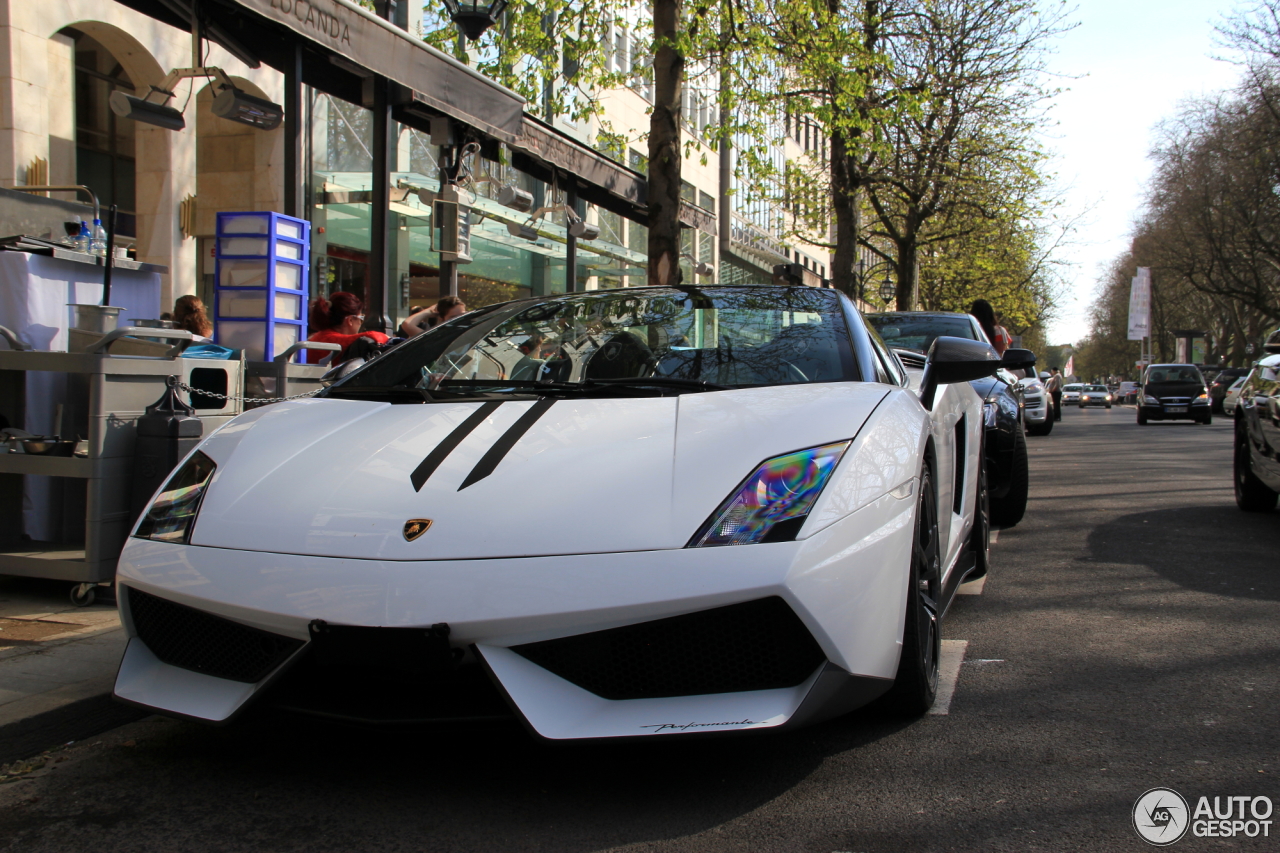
{"x": 182, "y": 386}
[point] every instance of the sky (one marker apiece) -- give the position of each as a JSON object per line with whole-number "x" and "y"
{"x": 1131, "y": 62}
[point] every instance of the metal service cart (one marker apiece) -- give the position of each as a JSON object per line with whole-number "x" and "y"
{"x": 105, "y": 395}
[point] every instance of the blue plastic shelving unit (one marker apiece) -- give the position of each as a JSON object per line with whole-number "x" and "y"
{"x": 260, "y": 293}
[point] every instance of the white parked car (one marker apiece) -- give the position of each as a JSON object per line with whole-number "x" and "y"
{"x": 708, "y": 509}
{"x": 1071, "y": 393}
{"x": 1232, "y": 399}
{"x": 1037, "y": 409}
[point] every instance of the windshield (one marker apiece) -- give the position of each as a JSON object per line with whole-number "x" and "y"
{"x": 676, "y": 339}
{"x": 1175, "y": 373}
{"x": 918, "y": 331}
{"x": 1072, "y": 387}
{"x": 1101, "y": 389}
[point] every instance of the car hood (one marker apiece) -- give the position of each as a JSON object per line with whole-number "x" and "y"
{"x": 333, "y": 477}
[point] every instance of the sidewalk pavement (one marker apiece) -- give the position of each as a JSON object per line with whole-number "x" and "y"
{"x": 52, "y": 653}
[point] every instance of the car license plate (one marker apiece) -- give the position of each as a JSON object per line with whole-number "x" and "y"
{"x": 1174, "y": 410}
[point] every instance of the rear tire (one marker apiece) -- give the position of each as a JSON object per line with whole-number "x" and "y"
{"x": 1252, "y": 495}
{"x": 1008, "y": 510}
{"x": 916, "y": 684}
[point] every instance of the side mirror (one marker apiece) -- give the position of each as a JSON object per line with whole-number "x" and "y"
{"x": 954, "y": 360}
{"x": 1018, "y": 359}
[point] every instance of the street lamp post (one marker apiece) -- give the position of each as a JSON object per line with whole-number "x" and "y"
{"x": 866, "y": 273}
{"x": 473, "y": 17}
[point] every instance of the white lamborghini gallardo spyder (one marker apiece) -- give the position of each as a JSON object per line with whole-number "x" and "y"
{"x": 636, "y": 512}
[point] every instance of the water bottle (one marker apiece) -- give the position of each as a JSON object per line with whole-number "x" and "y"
{"x": 99, "y": 245}
{"x": 84, "y": 241}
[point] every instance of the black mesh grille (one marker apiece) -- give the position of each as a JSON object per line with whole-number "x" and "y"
{"x": 758, "y": 645}
{"x": 192, "y": 639}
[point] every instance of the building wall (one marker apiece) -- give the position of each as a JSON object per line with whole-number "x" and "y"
{"x": 37, "y": 117}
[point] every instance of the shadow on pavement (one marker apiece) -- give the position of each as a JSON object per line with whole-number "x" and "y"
{"x": 1218, "y": 549}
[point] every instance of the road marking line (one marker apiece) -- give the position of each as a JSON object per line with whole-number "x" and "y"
{"x": 948, "y": 673}
{"x": 972, "y": 587}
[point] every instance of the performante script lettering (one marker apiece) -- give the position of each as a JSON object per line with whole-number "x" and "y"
{"x": 679, "y": 727}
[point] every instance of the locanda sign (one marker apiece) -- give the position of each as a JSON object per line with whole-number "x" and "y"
{"x": 310, "y": 16}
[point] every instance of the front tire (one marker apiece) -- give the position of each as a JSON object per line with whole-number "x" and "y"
{"x": 1042, "y": 429}
{"x": 1008, "y": 510}
{"x": 916, "y": 684}
{"x": 1252, "y": 495}
{"x": 1142, "y": 417}
{"x": 980, "y": 536}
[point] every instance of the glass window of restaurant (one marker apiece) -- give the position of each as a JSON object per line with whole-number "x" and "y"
{"x": 504, "y": 265}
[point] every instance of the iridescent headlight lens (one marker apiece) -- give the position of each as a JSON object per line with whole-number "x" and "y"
{"x": 772, "y": 504}
{"x": 170, "y": 517}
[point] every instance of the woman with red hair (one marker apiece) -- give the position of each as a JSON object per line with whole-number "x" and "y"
{"x": 337, "y": 320}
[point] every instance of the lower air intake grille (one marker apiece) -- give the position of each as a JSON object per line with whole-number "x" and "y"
{"x": 192, "y": 639}
{"x": 758, "y": 645}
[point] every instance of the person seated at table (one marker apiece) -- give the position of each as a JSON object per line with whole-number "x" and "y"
{"x": 442, "y": 312}
{"x": 189, "y": 314}
{"x": 337, "y": 320}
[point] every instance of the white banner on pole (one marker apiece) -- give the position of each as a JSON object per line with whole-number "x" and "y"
{"x": 1140, "y": 305}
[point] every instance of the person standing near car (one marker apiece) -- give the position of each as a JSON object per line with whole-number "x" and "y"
{"x": 1054, "y": 386}
{"x": 986, "y": 316}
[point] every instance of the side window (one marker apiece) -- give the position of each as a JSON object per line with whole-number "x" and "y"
{"x": 888, "y": 370}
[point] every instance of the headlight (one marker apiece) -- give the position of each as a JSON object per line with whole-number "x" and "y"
{"x": 1203, "y": 397}
{"x": 1147, "y": 398}
{"x": 772, "y": 504}
{"x": 170, "y": 517}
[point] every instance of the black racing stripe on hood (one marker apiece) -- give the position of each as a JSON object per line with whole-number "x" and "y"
{"x": 503, "y": 446}
{"x": 429, "y": 465}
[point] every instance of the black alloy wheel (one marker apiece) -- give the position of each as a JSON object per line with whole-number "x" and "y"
{"x": 1252, "y": 495}
{"x": 916, "y": 684}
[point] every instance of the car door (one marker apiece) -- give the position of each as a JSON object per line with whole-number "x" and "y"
{"x": 1262, "y": 410}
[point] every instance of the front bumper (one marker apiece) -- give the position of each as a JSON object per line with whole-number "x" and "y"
{"x": 1036, "y": 409}
{"x": 1193, "y": 412}
{"x": 845, "y": 585}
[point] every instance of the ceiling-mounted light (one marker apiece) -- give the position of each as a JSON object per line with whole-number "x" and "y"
{"x": 516, "y": 199}
{"x": 235, "y": 105}
{"x": 473, "y": 17}
{"x": 147, "y": 112}
{"x": 584, "y": 230}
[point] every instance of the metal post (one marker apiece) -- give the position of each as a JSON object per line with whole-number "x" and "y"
{"x": 571, "y": 244}
{"x": 294, "y": 204}
{"x": 377, "y": 299}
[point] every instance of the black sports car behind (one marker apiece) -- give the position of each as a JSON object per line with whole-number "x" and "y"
{"x": 913, "y": 332}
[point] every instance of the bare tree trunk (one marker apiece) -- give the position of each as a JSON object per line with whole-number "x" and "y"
{"x": 664, "y": 147}
{"x": 844, "y": 202}
{"x": 908, "y": 289}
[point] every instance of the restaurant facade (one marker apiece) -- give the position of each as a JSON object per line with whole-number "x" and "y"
{"x": 370, "y": 119}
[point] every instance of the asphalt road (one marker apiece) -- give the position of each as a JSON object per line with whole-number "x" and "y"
{"x": 1125, "y": 639}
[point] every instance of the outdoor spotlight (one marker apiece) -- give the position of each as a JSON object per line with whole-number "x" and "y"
{"x": 137, "y": 109}
{"x": 234, "y": 105}
{"x": 516, "y": 199}
{"x": 473, "y": 17}
{"x": 704, "y": 268}
{"x": 524, "y": 232}
{"x": 584, "y": 231}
